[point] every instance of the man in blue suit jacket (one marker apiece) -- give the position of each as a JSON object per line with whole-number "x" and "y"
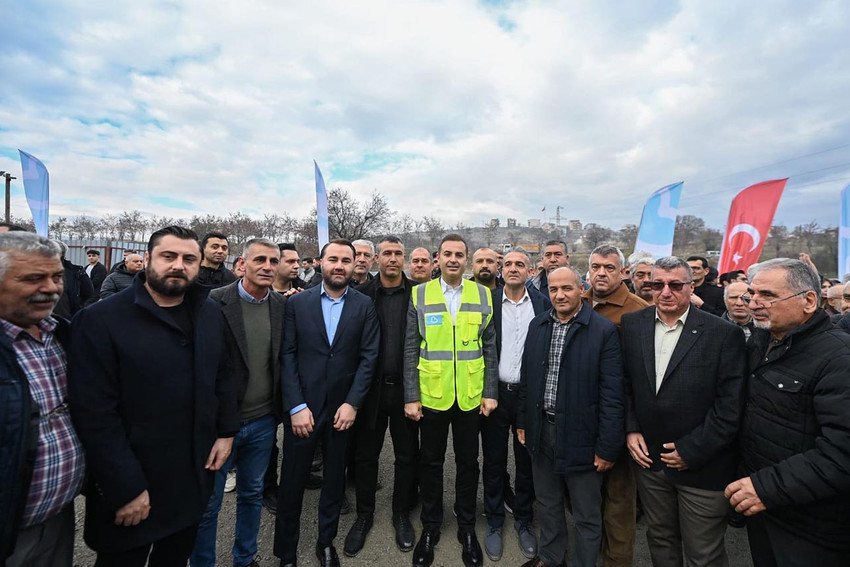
{"x": 330, "y": 351}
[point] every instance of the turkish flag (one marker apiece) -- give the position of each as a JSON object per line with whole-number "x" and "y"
{"x": 750, "y": 218}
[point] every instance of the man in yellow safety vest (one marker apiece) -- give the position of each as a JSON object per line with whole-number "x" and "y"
{"x": 450, "y": 377}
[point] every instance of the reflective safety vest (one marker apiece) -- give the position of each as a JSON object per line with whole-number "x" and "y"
{"x": 451, "y": 356}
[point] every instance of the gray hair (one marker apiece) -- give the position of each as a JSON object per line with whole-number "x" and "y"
{"x": 670, "y": 263}
{"x": 410, "y": 257}
{"x": 726, "y": 288}
{"x": 26, "y": 243}
{"x": 259, "y": 242}
{"x": 606, "y": 250}
{"x": 641, "y": 257}
{"x": 579, "y": 278}
{"x": 799, "y": 277}
{"x": 368, "y": 243}
{"x": 519, "y": 250}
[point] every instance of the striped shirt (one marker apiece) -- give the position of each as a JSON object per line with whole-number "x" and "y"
{"x": 59, "y": 467}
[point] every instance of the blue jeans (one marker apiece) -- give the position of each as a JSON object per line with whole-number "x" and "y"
{"x": 252, "y": 448}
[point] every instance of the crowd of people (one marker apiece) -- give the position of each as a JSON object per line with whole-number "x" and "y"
{"x": 644, "y": 386}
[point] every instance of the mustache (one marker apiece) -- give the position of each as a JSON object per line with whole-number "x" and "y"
{"x": 43, "y": 298}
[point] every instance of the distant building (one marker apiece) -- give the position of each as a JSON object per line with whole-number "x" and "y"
{"x": 494, "y": 223}
{"x": 574, "y": 224}
{"x": 511, "y": 223}
{"x": 533, "y": 223}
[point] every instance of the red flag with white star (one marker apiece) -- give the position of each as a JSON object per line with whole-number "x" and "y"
{"x": 750, "y": 218}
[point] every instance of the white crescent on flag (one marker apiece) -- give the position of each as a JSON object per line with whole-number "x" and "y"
{"x": 748, "y": 229}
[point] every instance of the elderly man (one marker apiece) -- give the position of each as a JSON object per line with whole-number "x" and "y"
{"x": 641, "y": 271}
{"x": 42, "y": 469}
{"x": 795, "y": 437}
{"x": 737, "y": 310}
{"x": 120, "y": 279}
{"x": 420, "y": 265}
{"x": 684, "y": 378}
{"x": 153, "y": 402}
{"x": 364, "y": 258}
{"x": 571, "y": 417}
{"x": 610, "y": 297}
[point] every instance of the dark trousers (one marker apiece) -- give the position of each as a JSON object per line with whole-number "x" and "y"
{"x": 771, "y": 545}
{"x": 170, "y": 551}
{"x": 271, "y": 476}
{"x": 495, "y": 431}
{"x": 405, "y": 436}
{"x": 48, "y": 544}
{"x": 434, "y": 432}
{"x": 297, "y": 459}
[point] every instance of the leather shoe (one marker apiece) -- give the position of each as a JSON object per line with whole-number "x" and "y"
{"x": 471, "y": 554}
{"x": 423, "y": 555}
{"x": 405, "y": 536}
{"x": 356, "y": 537}
{"x": 327, "y": 556}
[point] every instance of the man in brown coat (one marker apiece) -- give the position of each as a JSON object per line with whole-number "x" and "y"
{"x": 610, "y": 297}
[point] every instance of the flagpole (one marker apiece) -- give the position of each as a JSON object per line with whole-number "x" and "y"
{"x": 9, "y": 179}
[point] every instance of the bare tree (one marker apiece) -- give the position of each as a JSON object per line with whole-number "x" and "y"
{"x": 351, "y": 219}
{"x": 434, "y": 229}
{"x": 594, "y": 235}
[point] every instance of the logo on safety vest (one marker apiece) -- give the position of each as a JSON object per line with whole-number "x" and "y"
{"x": 435, "y": 319}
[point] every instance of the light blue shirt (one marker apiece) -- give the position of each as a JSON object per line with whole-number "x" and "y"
{"x": 331, "y": 312}
{"x": 247, "y": 296}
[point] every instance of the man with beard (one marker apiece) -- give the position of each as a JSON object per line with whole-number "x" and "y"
{"x": 42, "y": 466}
{"x": 213, "y": 273}
{"x": 485, "y": 268}
{"x": 420, "y": 265}
{"x": 330, "y": 352}
{"x": 153, "y": 401}
{"x": 363, "y": 259}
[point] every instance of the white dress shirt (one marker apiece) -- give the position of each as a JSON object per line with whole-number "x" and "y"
{"x": 516, "y": 315}
{"x": 452, "y": 295}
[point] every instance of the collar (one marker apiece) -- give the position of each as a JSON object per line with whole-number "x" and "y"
{"x": 683, "y": 318}
{"x": 571, "y": 320}
{"x": 446, "y": 287}
{"x": 525, "y": 297}
{"x": 46, "y": 326}
{"x": 324, "y": 293}
{"x": 247, "y": 296}
{"x": 618, "y": 298}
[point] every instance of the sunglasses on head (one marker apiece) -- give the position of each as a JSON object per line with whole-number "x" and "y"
{"x": 674, "y": 286}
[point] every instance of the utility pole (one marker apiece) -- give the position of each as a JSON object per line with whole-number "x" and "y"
{"x": 9, "y": 179}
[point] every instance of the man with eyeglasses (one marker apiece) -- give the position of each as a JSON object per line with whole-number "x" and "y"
{"x": 795, "y": 436}
{"x": 610, "y": 297}
{"x": 684, "y": 372}
{"x": 737, "y": 307}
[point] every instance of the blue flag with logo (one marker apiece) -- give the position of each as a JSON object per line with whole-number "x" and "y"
{"x": 321, "y": 207}
{"x": 658, "y": 221}
{"x": 37, "y": 188}
{"x": 844, "y": 234}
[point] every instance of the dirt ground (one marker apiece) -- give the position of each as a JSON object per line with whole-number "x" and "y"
{"x": 380, "y": 546}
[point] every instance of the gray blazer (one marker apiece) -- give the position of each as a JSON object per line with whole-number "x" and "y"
{"x": 237, "y": 344}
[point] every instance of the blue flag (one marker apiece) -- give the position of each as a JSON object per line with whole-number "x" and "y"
{"x": 37, "y": 188}
{"x": 658, "y": 222}
{"x": 321, "y": 207}
{"x": 844, "y": 234}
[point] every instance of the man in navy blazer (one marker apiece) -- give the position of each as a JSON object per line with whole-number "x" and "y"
{"x": 514, "y": 306}
{"x": 330, "y": 351}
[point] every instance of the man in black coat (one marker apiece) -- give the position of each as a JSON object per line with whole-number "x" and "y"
{"x": 571, "y": 417}
{"x": 514, "y": 306}
{"x": 384, "y": 406}
{"x": 706, "y": 295}
{"x": 153, "y": 402}
{"x": 795, "y": 437}
{"x": 684, "y": 375}
{"x": 95, "y": 270}
{"x": 330, "y": 351}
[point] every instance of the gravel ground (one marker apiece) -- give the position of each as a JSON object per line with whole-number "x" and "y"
{"x": 380, "y": 546}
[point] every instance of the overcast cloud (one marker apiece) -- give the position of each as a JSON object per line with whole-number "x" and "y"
{"x": 459, "y": 109}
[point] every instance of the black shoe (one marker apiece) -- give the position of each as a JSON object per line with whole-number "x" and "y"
{"x": 471, "y": 554}
{"x": 405, "y": 537}
{"x": 356, "y": 537}
{"x": 423, "y": 555}
{"x": 346, "y": 506}
{"x": 292, "y": 563}
{"x": 270, "y": 502}
{"x": 314, "y": 482}
{"x": 327, "y": 556}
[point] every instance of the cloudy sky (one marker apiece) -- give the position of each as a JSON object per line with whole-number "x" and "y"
{"x": 460, "y": 109}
